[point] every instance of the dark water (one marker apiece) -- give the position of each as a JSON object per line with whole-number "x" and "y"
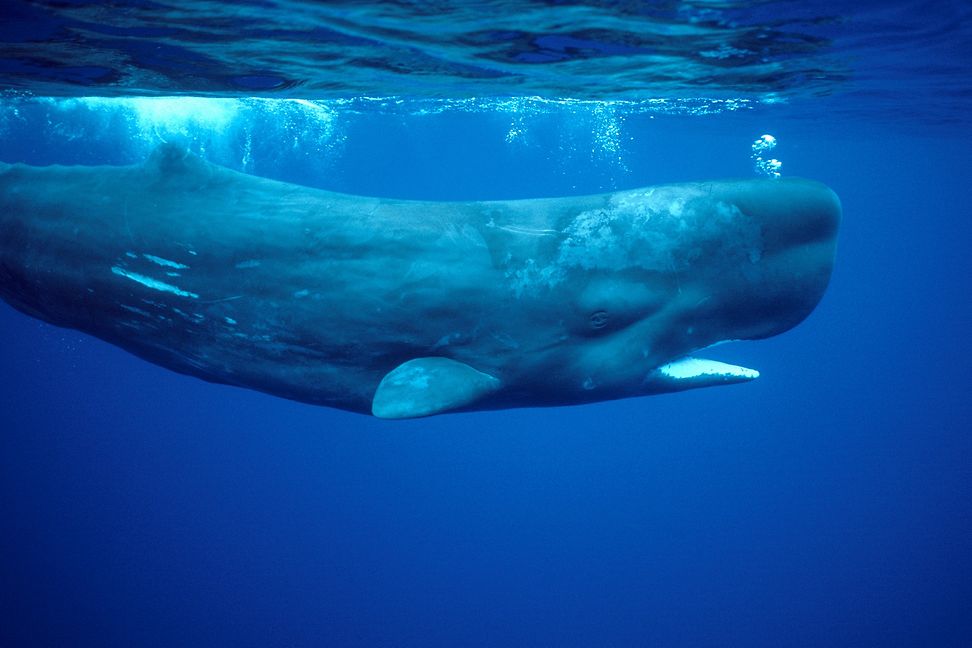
{"x": 828, "y": 503}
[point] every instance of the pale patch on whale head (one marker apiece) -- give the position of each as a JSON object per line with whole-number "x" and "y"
{"x": 659, "y": 231}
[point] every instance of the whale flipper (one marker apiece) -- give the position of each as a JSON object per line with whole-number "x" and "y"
{"x": 689, "y": 373}
{"x": 427, "y": 386}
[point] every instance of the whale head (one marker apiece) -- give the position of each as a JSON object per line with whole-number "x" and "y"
{"x": 653, "y": 275}
{"x": 758, "y": 260}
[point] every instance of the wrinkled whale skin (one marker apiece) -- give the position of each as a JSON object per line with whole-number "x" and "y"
{"x": 409, "y": 308}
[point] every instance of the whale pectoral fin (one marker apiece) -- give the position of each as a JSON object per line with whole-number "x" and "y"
{"x": 427, "y": 386}
{"x": 689, "y": 373}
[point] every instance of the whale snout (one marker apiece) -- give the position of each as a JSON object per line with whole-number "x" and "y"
{"x": 798, "y": 222}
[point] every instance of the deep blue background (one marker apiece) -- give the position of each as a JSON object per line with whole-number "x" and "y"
{"x": 827, "y": 504}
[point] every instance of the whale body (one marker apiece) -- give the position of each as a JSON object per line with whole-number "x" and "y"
{"x": 409, "y": 308}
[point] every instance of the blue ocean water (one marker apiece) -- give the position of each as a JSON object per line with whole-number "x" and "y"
{"x": 828, "y": 503}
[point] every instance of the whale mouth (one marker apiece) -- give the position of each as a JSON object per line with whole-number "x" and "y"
{"x": 691, "y": 367}
{"x": 690, "y": 372}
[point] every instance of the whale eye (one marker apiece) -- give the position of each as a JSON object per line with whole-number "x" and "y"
{"x": 599, "y": 319}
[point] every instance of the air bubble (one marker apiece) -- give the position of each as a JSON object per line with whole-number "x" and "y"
{"x": 764, "y": 165}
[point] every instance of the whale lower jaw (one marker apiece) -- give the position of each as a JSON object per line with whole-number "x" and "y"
{"x": 690, "y": 373}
